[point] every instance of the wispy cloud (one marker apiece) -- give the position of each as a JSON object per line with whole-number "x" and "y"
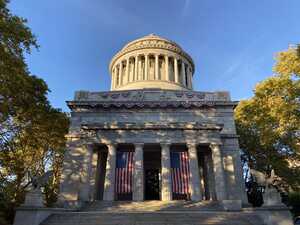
{"x": 243, "y": 62}
{"x": 185, "y": 8}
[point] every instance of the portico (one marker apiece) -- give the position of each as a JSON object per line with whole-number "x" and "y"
{"x": 201, "y": 141}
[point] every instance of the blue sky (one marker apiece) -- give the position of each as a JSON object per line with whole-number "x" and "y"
{"x": 232, "y": 42}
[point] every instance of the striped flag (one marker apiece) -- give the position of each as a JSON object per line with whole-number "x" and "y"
{"x": 180, "y": 173}
{"x": 124, "y": 170}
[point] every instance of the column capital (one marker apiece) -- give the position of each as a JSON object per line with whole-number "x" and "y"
{"x": 214, "y": 145}
{"x": 191, "y": 145}
{"x": 165, "y": 145}
{"x": 111, "y": 145}
{"x": 138, "y": 145}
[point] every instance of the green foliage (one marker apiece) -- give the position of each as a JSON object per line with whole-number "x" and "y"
{"x": 294, "y": 202}
{"x": 31, "y": 131}
{"x": 269, "y": 122}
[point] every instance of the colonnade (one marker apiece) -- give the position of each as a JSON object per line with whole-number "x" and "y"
{"x": 196, "y": 189}
{"x": 152, "y": 67}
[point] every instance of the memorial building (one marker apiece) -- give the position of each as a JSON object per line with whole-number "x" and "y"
{"x": 152, "y": 137}
{"x": 152, "y": 150}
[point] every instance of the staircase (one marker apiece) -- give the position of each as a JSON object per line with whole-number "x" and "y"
{"x": 153, "y": 213}
{"x": 152, "y": 206}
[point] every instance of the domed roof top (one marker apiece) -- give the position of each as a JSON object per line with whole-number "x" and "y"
{"x": 149, "y": 42}
{"x": 150, "y": 37}
{"x": 151, "y": 62}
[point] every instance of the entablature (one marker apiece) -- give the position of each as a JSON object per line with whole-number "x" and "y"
{"x": 153, "y": 126}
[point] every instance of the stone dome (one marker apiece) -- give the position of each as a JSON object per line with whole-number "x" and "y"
{"x": 151, "y": 62}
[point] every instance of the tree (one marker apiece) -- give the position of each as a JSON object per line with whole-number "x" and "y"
{"x": 269, "y": 122}
{"x": 31, "y": 130}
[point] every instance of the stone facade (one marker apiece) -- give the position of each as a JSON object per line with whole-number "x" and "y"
{"x": 199, "y": 121}
{"x": 152, "y": 105}
{"x": 153, "y": 112}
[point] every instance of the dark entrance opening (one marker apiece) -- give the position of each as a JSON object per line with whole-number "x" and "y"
{"x": 152, "y": 172}
{"x": 206, "y": 172}
{"x": 152, "y": 184}
{"x": 100, "y": 173}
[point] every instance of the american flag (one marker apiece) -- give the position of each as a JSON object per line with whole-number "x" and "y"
{"x": 180, "y": 173}
{"x": 124, "y": 171}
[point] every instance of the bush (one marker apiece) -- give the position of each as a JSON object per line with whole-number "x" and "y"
{"x": 294, "y": 202}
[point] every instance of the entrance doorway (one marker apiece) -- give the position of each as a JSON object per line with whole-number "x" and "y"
{"x": 100, "y": 173}
{"x": 152, "y": 172}
{"x": 152, "y": 184}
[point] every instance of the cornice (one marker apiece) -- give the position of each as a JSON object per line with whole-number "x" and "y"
{"x": 73, "y": 105}
{"x": 153, "y": 126}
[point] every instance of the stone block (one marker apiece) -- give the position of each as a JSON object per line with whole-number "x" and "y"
{"x": 232, "y": 205}
{"x": 34, "y": 198}
{"x": 30, "y": 216}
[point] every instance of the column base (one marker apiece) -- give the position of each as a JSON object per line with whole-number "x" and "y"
{"x": 232, "y": 205}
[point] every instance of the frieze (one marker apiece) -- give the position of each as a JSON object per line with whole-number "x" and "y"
{"x": 92, "y": 127}
{"x": 151, "y": 95}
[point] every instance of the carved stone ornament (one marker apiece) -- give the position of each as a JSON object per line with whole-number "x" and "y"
{"x": 87, "y": 133}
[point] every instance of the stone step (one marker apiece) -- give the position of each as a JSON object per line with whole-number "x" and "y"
{"x": 152, "y": 206}
{"x": 153, "y": 218}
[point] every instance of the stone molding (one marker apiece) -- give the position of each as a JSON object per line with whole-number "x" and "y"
{"x": 75, "y": 106}
{"x": 149, "y": 98}
{"x": 230, "y": 136}
{"x": 152, "y": 94}
{"x": 152, "y": 126}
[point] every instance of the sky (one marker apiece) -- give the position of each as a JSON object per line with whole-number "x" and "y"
{"x": 233, "y": 42}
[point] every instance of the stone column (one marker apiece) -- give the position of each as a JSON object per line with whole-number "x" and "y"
{"x": 70, "y": 177}
{"x": 166, "y": 183}
{"x": 115, "y": 77}
{"x": 189, "y": 79}
{"x": 120, "y": 74}
{"x": 210, "y": 177}
{"x": 127, "y": 72}
{"x": 140, "y": 70}
{"x": 109, "y": 183}
{"x": 167, "y": 68}
{"x": 112, "y": 79}
{"x": 138, "y": 175}
{"x": 156, "y": 67}
{"x": 86, "y": 166}
{"x": 218, "y": 172}
{"x": 195, "y": 185}
{"x": 135, "y": 77}
{"x": 176, "y": 70}
{"x": 183, "y": 74}
{"x": 146, "y": 67}
{"x": 131, "y": 71}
